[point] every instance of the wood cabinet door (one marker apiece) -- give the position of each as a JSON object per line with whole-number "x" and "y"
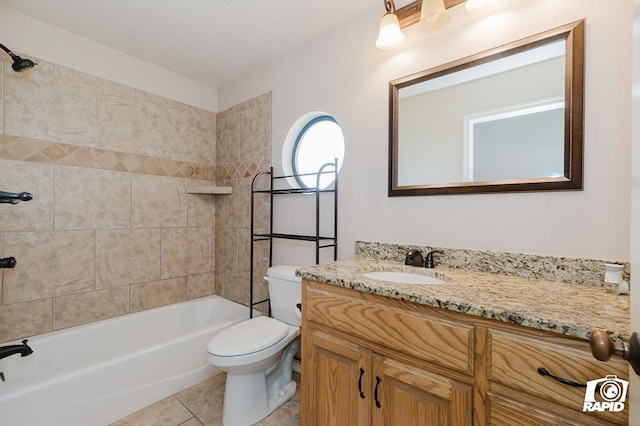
{"x": 336, "y": 381}
{"x": 406, "y": 396}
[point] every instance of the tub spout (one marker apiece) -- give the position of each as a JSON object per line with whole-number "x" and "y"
{"x": 23, "y": 350}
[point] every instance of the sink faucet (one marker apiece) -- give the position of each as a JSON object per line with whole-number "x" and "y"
{"x": 428, "y": 262}
{"x": 414, "y": 257}
{"x": 23, "y": 350}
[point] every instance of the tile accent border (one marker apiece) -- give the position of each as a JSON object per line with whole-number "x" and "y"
{"x": 564, "y": 269}
{"x": 241, "y": 169}
{"x": 39, "y": 151}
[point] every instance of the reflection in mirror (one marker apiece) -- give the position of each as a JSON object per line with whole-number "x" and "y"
{"x": 505, "y": 120}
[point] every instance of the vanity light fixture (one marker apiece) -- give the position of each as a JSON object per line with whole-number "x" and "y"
{"x": 474, "y": 6}
{"x": 19, "y": 64}
{"x": 390, "y": 34}
{"x": 433, "y": 15}
{"x": 430, "y": 15}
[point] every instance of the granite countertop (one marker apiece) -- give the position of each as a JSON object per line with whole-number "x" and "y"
{"x": 563, "y": 308}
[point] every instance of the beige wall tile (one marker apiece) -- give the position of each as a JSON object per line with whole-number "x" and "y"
{"x": 49, "y": 264}
{"x": 260, "y": 261}
{"x": 35, "y": 178}
{"x": 243, "y": 148}
{"x": 22, "y": 320}
{"x": 233, "y": 288}
{"x": 238, "y": 204}
{"x": 2, "y": 71}
{"x": 254, "y": 137}
{"x": 201, "y": 285}
{"x": 158, "y": 293}
{"x": 158, "y": 201}
{"x": 127, "y": 256}
{"x": 53, "y": 103}
{"x": 136, "y": 123}
{"x": 201, "y": 208}
{"x": 244, "y": 240}
{"x": 127, "y": 123}
{"x": 227, "y": 134}
{"x": 107, "y": 166}
{"x": 227, "y": 251}
{"x": 186, "y": 251}
{"x": 82, "y": 308}
{"x": 91, "y": 198}
{"x": 189, "y": 134}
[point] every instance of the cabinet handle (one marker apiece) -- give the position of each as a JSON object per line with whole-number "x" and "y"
{"x": 360, "y": 383}
{"x": 375, "y": 392}
{"x": 544, "y": 372}
{"x": 602, "y": 347}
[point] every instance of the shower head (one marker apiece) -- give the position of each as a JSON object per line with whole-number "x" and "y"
{"x": 19, "y": 64}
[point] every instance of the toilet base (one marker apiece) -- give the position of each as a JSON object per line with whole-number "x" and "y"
{"x": 249, "y": 398}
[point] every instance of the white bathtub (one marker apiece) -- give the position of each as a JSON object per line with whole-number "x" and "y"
{"x": 97, "y": 373}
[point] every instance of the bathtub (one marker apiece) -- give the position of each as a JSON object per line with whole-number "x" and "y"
{"x": 97, "y": 373}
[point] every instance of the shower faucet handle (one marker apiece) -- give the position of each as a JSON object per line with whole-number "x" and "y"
{"x": 8, "y": 262}
{"x": 14, "y": 198}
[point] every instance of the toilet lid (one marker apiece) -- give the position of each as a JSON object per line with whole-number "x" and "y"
{"x": 248, "y": 337}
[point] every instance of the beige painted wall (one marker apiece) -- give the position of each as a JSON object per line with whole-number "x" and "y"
{"x": 343, "y": 74}
{"x": 111, "y": 228}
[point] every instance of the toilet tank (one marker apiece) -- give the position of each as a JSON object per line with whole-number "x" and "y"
{"x": 285, "y": 292}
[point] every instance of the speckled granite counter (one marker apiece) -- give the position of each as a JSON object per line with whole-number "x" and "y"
{"x": 559, "y": 307}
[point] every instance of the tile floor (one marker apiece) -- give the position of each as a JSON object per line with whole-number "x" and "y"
{"x": 201, "y": 405}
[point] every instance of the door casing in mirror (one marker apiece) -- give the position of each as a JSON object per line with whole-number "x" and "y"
{"x": 571, "y": 178}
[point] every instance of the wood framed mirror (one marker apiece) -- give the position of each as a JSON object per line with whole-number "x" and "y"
{"x": 507, "y": 119}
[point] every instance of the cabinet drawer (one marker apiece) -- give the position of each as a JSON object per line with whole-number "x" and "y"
{"x": 413, "y": 333}
{"x": 509, "y": 411}
{"x": 514, "y": 361}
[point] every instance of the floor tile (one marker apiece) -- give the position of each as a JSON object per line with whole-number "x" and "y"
{"x": 168, "y": 412}
{"x": 205, "y": 399}
{"x": 201, "y": 405}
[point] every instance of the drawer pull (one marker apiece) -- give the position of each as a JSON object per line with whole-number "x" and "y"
{"x": 360, "y": 383}
{"x": 375, "y": 392}
{"x": 544, "y": 372}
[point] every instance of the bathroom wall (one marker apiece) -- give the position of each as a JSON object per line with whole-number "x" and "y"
{"x": 342, "y": 73}
{"x": 23, "y": 33}
{"x": 243, "y": 149}
{"x": 111, "y": 228}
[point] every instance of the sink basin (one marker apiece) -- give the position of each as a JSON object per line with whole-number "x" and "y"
{"x": 403, "y": 277}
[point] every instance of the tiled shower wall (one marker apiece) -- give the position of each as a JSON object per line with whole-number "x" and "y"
{"x": 243, "y": 149}
{"x": 111, "y": 229}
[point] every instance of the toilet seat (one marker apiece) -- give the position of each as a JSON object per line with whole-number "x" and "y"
{"x": 248, "y": 337}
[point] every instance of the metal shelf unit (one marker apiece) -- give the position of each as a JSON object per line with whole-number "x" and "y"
{"x": 321, "y": 241}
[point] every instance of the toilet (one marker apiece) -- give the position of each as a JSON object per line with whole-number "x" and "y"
{"x": 257, "y": 354}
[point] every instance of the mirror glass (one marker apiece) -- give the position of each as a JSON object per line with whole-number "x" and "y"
{"x": 509, "y": 119}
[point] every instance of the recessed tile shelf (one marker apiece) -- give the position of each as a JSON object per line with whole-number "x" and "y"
{"x": 209, "y": 189}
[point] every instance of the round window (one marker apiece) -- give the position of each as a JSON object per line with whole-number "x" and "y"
{"x": 315, "y": 139}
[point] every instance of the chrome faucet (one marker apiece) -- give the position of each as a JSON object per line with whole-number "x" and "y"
{"x": 23, "y": 350}
{"x": 428, "y": 261}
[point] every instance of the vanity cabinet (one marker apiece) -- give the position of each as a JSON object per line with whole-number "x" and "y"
{"x": 375, "y": 360}
{"x": 365, "y": 363}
